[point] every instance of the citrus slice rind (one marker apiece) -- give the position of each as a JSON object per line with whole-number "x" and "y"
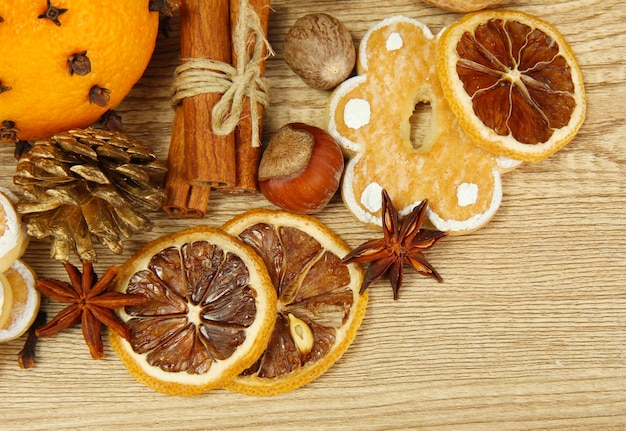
{"x": 316, "y": 292}
{"x": 513, "y": 82}
{"x": 13, "y": 237}
{"x": 6, "y": 301}
{"x": 208, "y": 342}
{"x": 25, "y": 299}
{"x": 8, "y": 193}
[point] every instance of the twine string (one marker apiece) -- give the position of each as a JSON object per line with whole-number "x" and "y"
{"x": 202, "y": 75}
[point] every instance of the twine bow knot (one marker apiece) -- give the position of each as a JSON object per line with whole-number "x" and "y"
{"x": 202, "y": 75}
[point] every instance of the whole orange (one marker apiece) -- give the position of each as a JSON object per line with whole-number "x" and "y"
{"x": 63, "y": 63}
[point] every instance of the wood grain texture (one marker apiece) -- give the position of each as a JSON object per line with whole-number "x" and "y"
{"x": 527, "y": 331}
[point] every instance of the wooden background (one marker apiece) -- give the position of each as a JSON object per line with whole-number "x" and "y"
{"x": 527, "y": 332}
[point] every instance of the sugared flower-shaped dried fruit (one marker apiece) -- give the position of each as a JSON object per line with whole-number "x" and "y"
{"x": 371, "y": 117}
{"x": 402, "y": 243}
{"x": 90, "y": 304}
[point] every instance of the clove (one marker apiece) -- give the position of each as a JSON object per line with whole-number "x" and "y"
{"x": 79, "y": 64}
{"x": 99, "y": 96}
{"x": 26, "y": 356}
{"x": 8, "y": 131}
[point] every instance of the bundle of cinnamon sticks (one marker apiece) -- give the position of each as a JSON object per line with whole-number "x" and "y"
{"x": 201, "y": 159}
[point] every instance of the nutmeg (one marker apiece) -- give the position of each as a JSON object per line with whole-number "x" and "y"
{"x": 319, "y": 49}
{"x": 301, "y": 168}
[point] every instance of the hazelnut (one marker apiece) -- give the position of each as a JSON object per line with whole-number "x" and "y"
{"x": 301, "y": 168}
{"x": 319, "y": 49}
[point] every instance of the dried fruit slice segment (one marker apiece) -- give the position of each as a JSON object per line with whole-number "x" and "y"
{"x": 13, "y": 238}
{"x": 6, "y": 300}
{"x": 319, "y": 306}
{"x": 209, "y": 315}
{"x": 20, "y": 285}
{"x": 513, "y": 82}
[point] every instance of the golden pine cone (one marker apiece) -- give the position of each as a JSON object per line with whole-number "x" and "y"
{"x": 84, "y": 183}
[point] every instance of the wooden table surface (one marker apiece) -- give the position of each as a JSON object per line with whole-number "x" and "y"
{"x": 527, "y": 331}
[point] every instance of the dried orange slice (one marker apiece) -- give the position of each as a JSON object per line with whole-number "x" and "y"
{"x": 513, "y": 82}
{"x": 209, "y": 315}
{"x": 13, "y": 238}
{"x": 319, "y": 306}
{"x": 20, "y": 287}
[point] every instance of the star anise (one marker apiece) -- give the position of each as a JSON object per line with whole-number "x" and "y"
{"x": 401, "y": 244}
{"x": 91, "y": 305}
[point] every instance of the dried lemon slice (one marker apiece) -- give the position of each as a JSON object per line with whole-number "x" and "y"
{"x": 20, "y": 286}
{"x": 209, "y": 315}
{"x": 6, "y": 301}
{"x": 319, "y": 305}
{"x": 13, "y": 238}
{"x": 513, "y": 82}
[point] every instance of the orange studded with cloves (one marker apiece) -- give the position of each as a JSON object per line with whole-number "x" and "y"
{"x": 64, "y": 63}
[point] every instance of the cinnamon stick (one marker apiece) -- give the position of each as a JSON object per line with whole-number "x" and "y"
{"x": 183, "y": 199}
{"x": 247, "y": 153}
{"x": 205, "y": 33}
